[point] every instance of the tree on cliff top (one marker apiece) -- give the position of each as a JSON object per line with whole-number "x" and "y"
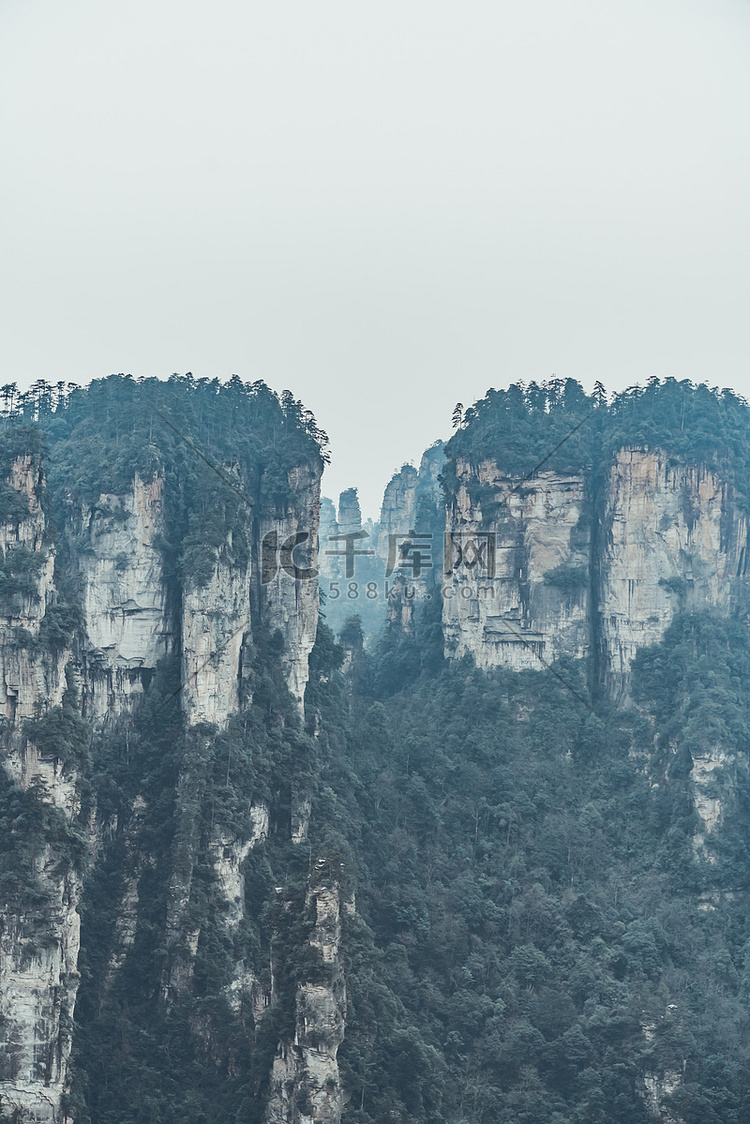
{"x": 556, "y": 426}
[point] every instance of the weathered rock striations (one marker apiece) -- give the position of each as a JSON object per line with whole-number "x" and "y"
{"x": 228, "y": 856}
{"x": 516, "y": 586}
{"x": 276, "y": 588}
{"x": 328, "y": 527}
{"x": 38, "y": 944}
{"x": 130, "y": 621}
{"x": 588, "y": 578}
{"x": 408, "y": 497}
{"x": 118, "y": 557}
{"x": 288, "y": 590}
{"x": 591, "y": 566}
{"x": 305, "y": 1080}
{"x": 672, "y": 541}
{"x": 215, "y": 623}
{"x": 38, "y": 984}
{"x": 399, "y": 507}
{"x": 29, "y": 681}
{"x": 350, "y": 513}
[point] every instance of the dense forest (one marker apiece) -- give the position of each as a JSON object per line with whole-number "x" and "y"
{"x": 542, "y": 931}
{"x": 536, "y": 939}
{"x": 556, "y": 425}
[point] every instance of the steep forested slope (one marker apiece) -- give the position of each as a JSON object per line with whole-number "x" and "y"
{"x": 498, "y": 895}
{"x": 537, "y": 938}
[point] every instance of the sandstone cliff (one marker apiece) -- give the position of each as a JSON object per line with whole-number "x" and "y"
{"x": 129, "y": 620}
{"x": 119, "y": 562}
{"x": 305, "y": 1080}
{"x": 39, "y": 926}
{"x": 28, "y": 680}
{"x": 543, "y": 568}
{"x": 410, "y": 498}
{"x": 288, "y": 600}
{"x": 672, "y": 541}
{"x": 516, "y": 591}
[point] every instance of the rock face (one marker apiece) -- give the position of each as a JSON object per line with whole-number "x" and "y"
{"x": 583, "y": 577}
{"x": 27, "y": 682}
{"x": 350, "y": 513}
{"x": 288, "y": 593}
{"x": 328, "y": 526}
{"x": 278, "y": 585}
{"x": 333, "y": 562}
{"x": 714, "y": 777}
{"x": 305, "y": 1081}
{"x": 656, "y": 1089}
{"x": 409, "y": 498}
{"x": 38, "y": 986}
{"x": 115, "y": 551}
{"x": 399, "y": 508}
{"x": 516, "y": 587}
{"x": 39, "y": 943}
{"x": 276, "y": 588}
{"x": 672, "y": 541}
{"x": 228, "y": 856}
{"x": 119, "y": 562}
{"x": 215, "y": 622}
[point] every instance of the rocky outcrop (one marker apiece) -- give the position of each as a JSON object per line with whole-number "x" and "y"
{"x": 228, "y": 854}
{"x": 215, "y": 624}
{"x": 399, "y": 508}
{"x": 516, "y": 583}
{"x": 350, "y": 513}
{"x": 288, "y": 590}
{"x": 118, "y": 557}
{"x": 38, "y": 985}
{"x": 408, "y": 540}
{"x": 713, "y": 777}
{"x": 126, "y": 922}
{"x": 656, "y": 1090}
{"x": 328, "y": 527}
{"x": 29, "y": 679}
{"x": 673, "y": 541}
{"x": 40, "y": 932}
{"x": 661, "y": 1084}
{"x": 401, "y": 604}
{"x": 351, "y": 577}
{"x": 305, "y": 1080}
{"x": 409, "y": 498}
{"x": 338, "y": 560}
{"x": 115, "y": 550}
{"x": 540, "y": 569}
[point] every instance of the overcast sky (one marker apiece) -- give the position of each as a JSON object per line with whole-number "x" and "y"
{"x": 385, "y": 207}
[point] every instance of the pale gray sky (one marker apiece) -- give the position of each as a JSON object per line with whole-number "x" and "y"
{"x": 385, "y": 207}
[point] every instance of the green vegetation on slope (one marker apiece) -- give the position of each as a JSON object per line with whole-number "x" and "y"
{"x": 555, "y": 426}
{"x": 159, "y": 1040}
{"x": 102, "y": 434}
{"x": 536, "y": 934}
